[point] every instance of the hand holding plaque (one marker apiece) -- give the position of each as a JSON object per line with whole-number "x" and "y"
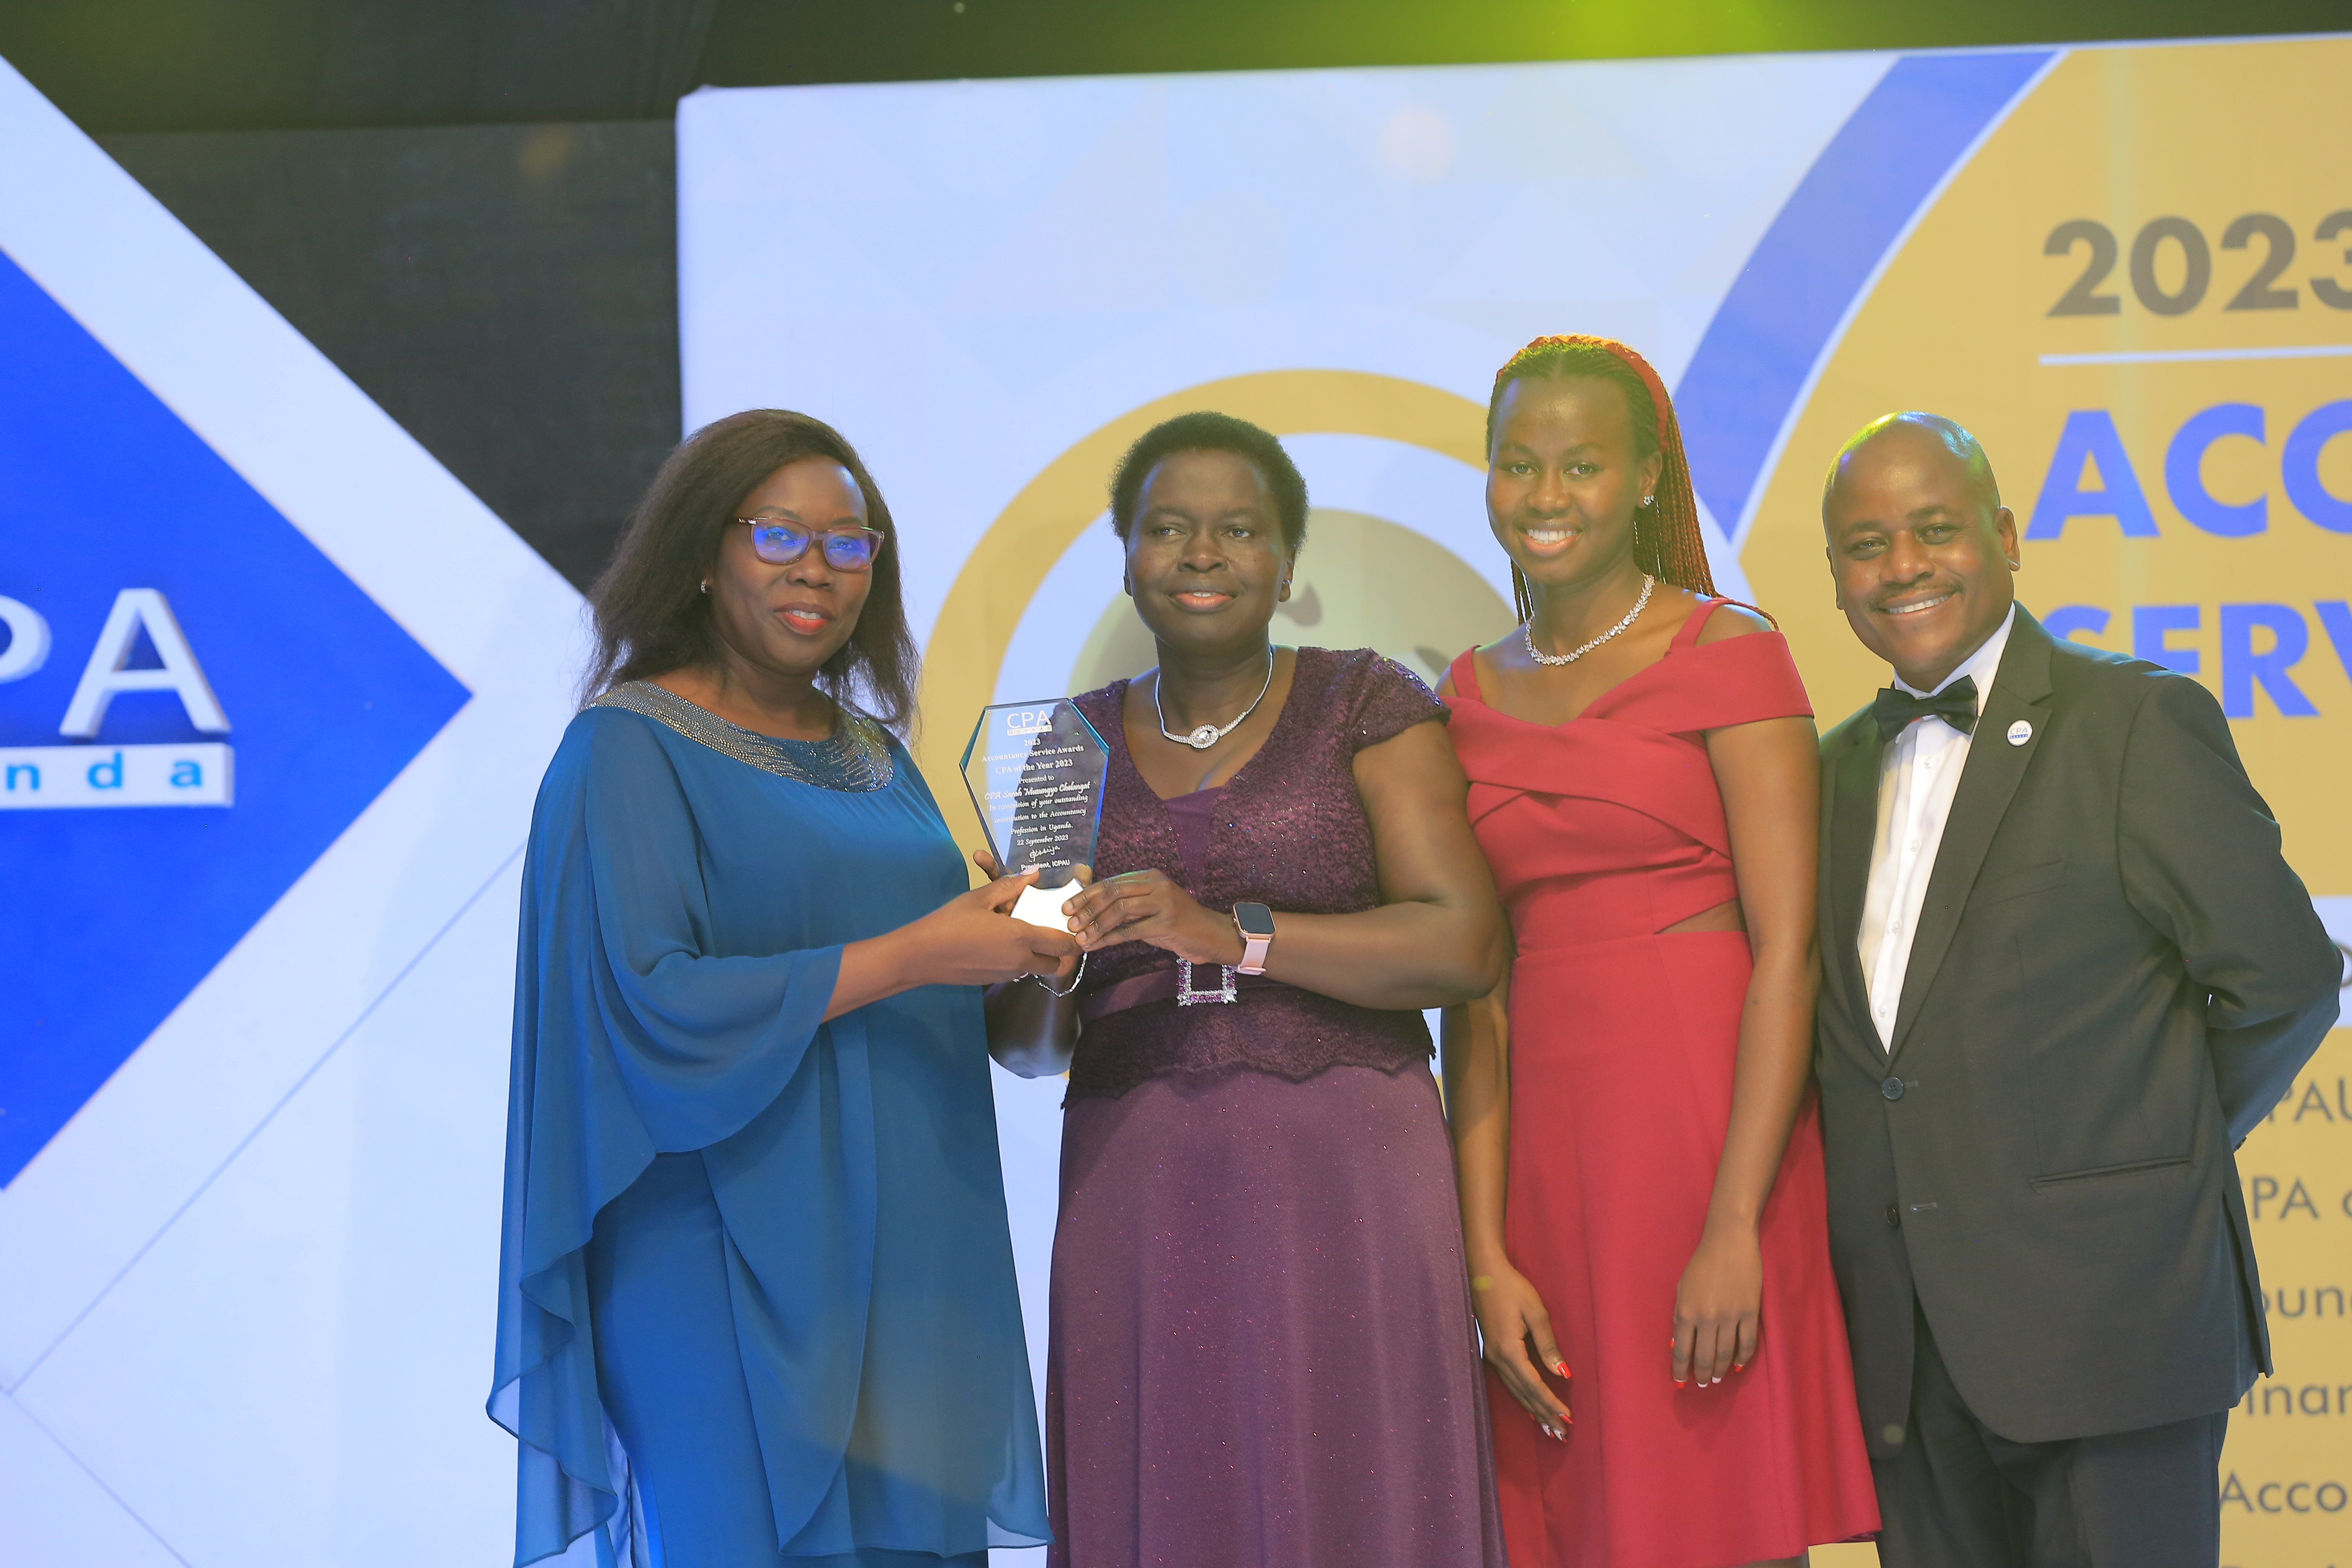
{"x": 1035, "y": 770}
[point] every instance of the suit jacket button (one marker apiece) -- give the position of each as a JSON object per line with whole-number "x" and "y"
{"x": 1891, "y": 1436}
{"x": 1892, "y": 1088}
{"x": 1894, "y": 1217}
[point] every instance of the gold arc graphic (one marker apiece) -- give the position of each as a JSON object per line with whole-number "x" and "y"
{"x": 1004, "y": 569}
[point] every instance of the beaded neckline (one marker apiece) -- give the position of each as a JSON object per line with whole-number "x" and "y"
{"x": 855, "y": 757}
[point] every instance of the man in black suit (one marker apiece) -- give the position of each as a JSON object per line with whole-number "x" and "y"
{"x": 2067, "y": 972}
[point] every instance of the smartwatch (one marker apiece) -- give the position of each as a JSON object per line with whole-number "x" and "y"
{"x": 1256, "y": 923}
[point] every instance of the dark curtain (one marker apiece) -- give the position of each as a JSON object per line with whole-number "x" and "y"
{"x": 242, "y": 64}
{"x": 470, "y": 206}
{"x": 508, "y": 293}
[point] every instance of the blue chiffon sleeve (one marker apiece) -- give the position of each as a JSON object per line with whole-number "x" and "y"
{"x": 631, "y": 1039}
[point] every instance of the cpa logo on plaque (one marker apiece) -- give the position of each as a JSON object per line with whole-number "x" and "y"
{"x": 1037, "y": 770}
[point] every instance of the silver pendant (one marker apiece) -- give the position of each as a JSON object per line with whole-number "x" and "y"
{"x": 1208, "y": 736}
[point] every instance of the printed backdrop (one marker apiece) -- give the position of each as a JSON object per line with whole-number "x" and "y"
{"x": 2129, "y": 270}
{"x": 275, "y": 695}
{"x": 275, "y": 692}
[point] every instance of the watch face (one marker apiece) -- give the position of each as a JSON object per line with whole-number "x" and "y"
{"x": 1255, "y": 920}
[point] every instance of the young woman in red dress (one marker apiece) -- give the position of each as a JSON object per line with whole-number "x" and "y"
{"x": 1641, "y": 1165}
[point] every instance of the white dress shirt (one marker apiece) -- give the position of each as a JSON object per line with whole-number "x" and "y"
{"x": 1918, "y": 773}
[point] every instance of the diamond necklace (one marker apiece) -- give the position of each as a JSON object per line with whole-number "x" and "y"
{"x": 1540, "y": 656}
{"x": 1208, "y": 736}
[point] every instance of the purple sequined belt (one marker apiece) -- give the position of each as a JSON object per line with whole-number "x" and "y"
{"x": 1161, "y": 985}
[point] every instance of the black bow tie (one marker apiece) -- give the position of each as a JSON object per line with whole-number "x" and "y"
{"x": 1956, "y": 705}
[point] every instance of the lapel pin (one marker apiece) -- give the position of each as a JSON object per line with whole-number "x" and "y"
{"x": 2019, "y": 732}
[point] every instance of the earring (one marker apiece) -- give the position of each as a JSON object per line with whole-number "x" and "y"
{"x": 706, "y": 585}
{"x": 1284, "y": 594}
{"x": 1648, "y": 499}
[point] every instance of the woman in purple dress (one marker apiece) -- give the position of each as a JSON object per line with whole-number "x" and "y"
{"x": 1262, "y": 1350}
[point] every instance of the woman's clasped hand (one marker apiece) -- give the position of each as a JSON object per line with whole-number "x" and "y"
{"x": 972, "y": 940}
{"x": 1152, "y": 907}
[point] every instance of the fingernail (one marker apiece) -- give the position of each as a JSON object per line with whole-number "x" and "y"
{"x": 1678, "y": 1382}
{"x": 1739, "y": 1366}
{"x": 1561, "y": 1368}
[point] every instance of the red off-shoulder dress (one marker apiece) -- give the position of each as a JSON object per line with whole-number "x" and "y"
{"x": 1602, "y": 832}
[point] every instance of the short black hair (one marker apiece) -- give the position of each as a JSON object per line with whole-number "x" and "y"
{"x": 1205, "y": 431}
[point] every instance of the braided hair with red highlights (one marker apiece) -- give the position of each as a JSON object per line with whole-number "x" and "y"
{"x": 1667, "y": 544}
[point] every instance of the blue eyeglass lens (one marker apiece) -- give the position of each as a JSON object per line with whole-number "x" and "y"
{"x": 849, "y": 552}
{"x": 778, "y": 543}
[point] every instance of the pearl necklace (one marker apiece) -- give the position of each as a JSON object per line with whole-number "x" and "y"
{"x": 1208, "y": 736}
{"x": 1648, "y": 583}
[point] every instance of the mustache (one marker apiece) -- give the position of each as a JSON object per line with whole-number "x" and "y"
{"x": 1912, "y": 592}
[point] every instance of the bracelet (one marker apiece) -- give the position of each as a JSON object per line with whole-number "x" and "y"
{"x": 1077, "y": 977}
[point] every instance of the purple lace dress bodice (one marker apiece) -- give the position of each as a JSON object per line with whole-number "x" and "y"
{"x": 1287, "y": 831}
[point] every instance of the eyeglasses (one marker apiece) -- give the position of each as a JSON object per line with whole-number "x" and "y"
{"x": 780, "y": 544}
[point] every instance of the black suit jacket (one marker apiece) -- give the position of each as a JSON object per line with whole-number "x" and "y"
{"x": 2112, "y": 980}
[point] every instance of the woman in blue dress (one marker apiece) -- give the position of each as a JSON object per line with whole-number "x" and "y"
{"x": 756, "y": 1296}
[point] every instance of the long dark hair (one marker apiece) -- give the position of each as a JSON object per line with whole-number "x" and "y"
{"x": 651, "y": 614}
{"x": 1667, "y": 543}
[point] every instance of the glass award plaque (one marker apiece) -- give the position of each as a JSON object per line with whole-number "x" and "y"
{"x": 1035, "y": 770}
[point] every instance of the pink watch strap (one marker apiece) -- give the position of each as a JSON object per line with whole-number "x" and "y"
{"x": 1254, "y": 949}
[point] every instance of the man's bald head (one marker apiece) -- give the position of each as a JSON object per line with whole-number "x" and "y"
{"x": 1949, "y": 435}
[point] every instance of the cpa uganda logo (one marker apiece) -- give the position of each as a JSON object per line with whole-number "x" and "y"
{"x": 151, "y": 596}
{"x": 192, "y": 774}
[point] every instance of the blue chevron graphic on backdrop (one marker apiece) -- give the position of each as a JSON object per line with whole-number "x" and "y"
{"x": 111, "y": 914}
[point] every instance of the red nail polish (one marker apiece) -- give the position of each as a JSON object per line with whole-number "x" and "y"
{"x": 1561, "y": 1368}
{"x": 1678, "y": 1382}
